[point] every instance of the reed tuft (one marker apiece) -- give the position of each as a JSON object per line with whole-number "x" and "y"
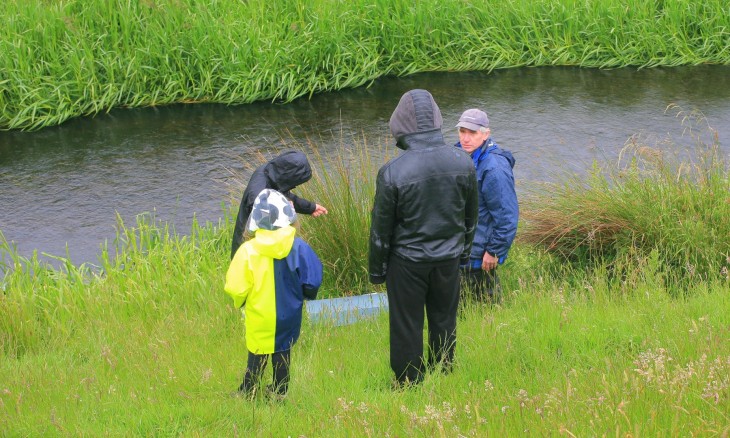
{"x": 344, "y": 182}
{"x": 646, "y": 206}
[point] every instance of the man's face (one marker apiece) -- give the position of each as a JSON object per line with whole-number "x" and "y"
{"x": 471, "y": 140}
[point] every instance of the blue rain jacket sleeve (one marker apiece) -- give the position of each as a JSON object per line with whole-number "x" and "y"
{"x": 502, "y": 205}
{"x": 308, "y": 267}
{"x": 498, "y": 207}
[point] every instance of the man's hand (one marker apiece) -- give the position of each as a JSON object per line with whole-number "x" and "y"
{"x": 319, "y": 210}
{"x": 489, "y": 262}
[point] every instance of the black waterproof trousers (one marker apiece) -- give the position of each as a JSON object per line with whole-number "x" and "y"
{"x": 254, "y": 370}
{"x": 413, "y": 287}
{"x": 482, "y": 286}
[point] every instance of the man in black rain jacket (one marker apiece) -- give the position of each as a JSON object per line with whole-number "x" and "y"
{"x": 423, "y": 221}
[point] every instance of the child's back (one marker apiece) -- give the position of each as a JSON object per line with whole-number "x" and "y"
{"x": 270, "y": 276}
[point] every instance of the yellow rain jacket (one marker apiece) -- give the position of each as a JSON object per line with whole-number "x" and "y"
{"x": 270, "y": 276}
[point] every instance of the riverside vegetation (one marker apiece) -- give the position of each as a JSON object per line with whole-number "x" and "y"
{"x": 69, "y": 58}
{"x": 615, "y": 321}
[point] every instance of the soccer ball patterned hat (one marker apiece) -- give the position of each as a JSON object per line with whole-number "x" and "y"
{"x": 271, "y": 211}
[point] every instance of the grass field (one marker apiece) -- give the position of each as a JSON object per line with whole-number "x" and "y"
{"x": 553, "y": 360}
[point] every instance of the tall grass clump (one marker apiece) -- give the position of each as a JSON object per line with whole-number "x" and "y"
{"x": 70, "y": 58}
{"x": 37, "y": 301}
{"x": 672, "y": 212}
{"x": 344, "y": 182}
{"x": 151, "y": 270}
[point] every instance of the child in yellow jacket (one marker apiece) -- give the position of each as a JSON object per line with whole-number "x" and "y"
{"x": 270, "y": 276}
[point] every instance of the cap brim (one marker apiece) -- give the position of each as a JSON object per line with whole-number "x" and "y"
{"x": 469, "y": 125}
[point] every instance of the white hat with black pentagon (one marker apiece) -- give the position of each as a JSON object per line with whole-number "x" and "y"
{"x": 271, "y": 211}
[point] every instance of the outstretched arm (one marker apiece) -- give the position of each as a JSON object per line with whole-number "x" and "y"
{"x": 319, "y": 210}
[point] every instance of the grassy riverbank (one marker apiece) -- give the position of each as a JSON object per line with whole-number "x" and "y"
{"x": 650, "y": 209}
{"x": 621, "y": 331}
{"x": 71, "y": 58}
{"x": 555, "y": 359}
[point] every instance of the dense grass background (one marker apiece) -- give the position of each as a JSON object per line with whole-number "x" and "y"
{"x": 68, "y": 58}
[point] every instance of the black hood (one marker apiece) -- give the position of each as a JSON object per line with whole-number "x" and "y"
{"x": 416, "y": 112}
{"x": 288, "y": 170}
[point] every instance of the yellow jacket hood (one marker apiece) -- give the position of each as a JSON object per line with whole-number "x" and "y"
{"x": 274, "y": 243}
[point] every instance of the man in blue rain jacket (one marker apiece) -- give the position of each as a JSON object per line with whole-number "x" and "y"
{"x": 498, "y": 208}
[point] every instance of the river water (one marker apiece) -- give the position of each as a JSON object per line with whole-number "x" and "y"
{"x": 61, "y": 188}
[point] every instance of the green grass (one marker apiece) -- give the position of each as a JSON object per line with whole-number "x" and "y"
{"x": 72, "y": 58}
{"x": 155, "y": 348}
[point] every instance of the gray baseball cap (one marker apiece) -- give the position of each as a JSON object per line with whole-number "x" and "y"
{"x": 474, "y": 119}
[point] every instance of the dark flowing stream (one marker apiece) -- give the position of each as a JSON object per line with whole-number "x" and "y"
{"x": 61, "y": 188}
